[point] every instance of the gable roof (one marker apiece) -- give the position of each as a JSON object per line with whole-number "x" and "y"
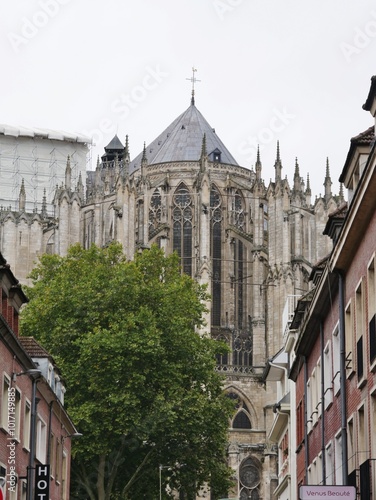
{"x": 182, "y": 141}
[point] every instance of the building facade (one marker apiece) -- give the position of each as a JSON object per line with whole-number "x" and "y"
{"x": 252, "y": 244}
{"x": 35, "y": 429}
{"x": 335, "y": 351}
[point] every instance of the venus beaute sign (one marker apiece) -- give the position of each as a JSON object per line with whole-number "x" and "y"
{"x": 341, "y": 492}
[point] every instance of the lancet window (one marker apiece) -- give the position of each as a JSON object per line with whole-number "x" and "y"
{"x": 155, "y": 212}
{"x": 238, "y": 218}
{"x": 241, "y": 419}
{"x": 182, "y": 214}
{"x": 216, "y": 253}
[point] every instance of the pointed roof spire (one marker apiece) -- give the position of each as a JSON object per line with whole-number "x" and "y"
{"x": 144, "y": 157}
{"x": 297, "y": 181}
{"x": 308, "y": 190}
{"x": 22, "y": 197}
{"x": 126, "y": 155}
{"x": 203, "y": 147}
{"x": 341, "y": 196}
{"x": 43, "y": 212}
{"x": 278, "y": 165}
{"x": 68, "y": 174}
{"x": 258, "y": 164}
{"x": 327, "y": 182}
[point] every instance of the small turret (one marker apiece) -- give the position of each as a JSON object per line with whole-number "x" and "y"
{"x": 258, "y": 166}
{"x": 278, "y": 166}
{"x": 297, "y": 180}
{"x": 144, "y": 161}
{"x": 22, "y": 197}
{"x": 327, "y": 183}
{"x": 43, "y": 212}
{"x": 203, "y": 156}
{"x": 308, "y": 192}
{"x": 68, "y": 175}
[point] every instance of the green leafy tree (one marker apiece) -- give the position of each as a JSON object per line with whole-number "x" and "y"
{"x": 142, "y": 386}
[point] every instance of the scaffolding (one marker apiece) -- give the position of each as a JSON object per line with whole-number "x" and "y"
{"x": 38, "y": 158}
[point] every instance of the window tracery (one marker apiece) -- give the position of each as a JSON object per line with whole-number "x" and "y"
{"x": 216, "y": 253}
{"x": 238, "y": 217}
{"x": 155, "y": 212}
{"x": 182, "y": 215}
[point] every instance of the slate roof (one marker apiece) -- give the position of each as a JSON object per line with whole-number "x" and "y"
{"x": 182, "y": 141}
{"x": 115, "y": 144}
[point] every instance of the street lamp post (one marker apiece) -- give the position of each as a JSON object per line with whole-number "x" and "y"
{"x": 161, "y": 467}
{"x": 169, "y": 467}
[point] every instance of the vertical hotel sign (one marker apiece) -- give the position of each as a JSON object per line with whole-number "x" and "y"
{"x": 42, "y": 482}
{"x": 333, "y": 492}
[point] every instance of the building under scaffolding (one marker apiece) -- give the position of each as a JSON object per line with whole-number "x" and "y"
{"x": 38, "y": 158}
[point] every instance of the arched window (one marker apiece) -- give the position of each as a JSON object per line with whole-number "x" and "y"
{"x": 155, "y": 212}
{"x": 140, "y": 222}
{"x": 182, "y": 215}
{"x": 239, "y": 274}
{"x": 238, "y": 219}
{"x": 216, "y": 253}
{"x": 242, "y": 418}
{"x": 242, "y": 349}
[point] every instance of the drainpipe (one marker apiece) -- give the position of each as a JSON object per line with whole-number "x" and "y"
{"x": 342, "y": 369}
{"x": 306, "y": 455}
{"x": 322, "y": 406}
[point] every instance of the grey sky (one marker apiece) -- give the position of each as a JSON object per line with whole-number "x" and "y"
{"x": 294, "y": 70}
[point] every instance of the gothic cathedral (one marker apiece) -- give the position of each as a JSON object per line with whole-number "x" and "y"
{"x": 252, "y": 244}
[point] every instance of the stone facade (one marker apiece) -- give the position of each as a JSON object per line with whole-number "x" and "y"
{"x": 251, "y": 244}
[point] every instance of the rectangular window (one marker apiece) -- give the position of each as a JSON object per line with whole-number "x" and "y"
{"x": 359, "y": 359}
{"x": 364, "y": 481}
{"x": 318, "y": 406}
{"x": 336, "y": 361}
{"x": 58, "y": 458}
{"x": 359, "y": 325}
{"x": 372, "y": 311}
{"x": 300, "y": 423}
{"x": 329, "y": 465}
{"x": 64, "y": 481}
{"x": 349, "y": 336}
{"x": 328, "y": 375}
{"x": 362, "y": 436}
{"x": 26, "y": 425}
{"x": 17, "y": 416}
{"x": 372, "y": 340}
{"x": 351, "y": 445}
{"x": 52, "y": 455}
{"x": 41, "y": 441}
{"x": 309, "y": 406}
{"x": 373, "y": 437}
{"x": 23, "y": 489}
{"x": 338, "y": 459}
{"x": 319, "y": 469}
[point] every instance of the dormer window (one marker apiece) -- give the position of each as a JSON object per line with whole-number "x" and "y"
{"x": 215, "y": 156}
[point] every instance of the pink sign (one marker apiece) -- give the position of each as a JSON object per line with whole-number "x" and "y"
{"x": 345, "y": 492}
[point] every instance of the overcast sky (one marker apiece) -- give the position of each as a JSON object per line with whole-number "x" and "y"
{"x": 296, "y": 71}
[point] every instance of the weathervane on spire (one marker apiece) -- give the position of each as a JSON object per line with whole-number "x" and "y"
{"x": 193, "y": 79}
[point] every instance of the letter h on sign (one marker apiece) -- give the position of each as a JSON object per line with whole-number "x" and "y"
{"x": 42, "y": 482}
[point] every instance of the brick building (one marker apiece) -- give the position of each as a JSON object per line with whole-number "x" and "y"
{"x": 335, "y": 364}
{"x": 35, "y": 429}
